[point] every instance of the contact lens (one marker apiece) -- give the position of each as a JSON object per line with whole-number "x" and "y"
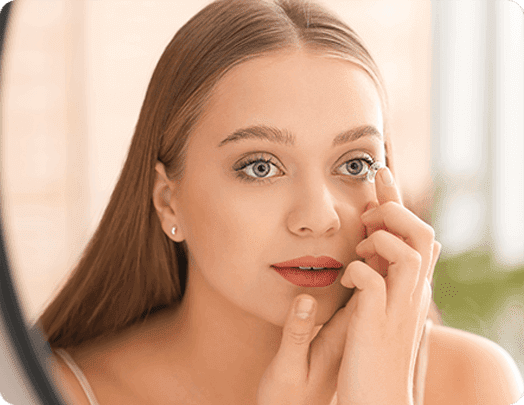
{"x": 373, "y": 171}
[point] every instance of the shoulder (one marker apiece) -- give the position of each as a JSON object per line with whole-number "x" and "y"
{"x": 99, "y": 371}
{"x": 120, "y": 368}
{"x": 67, "y": 382}
{"x": 464, "y": 368}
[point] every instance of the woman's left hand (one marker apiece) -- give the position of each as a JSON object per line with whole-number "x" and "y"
{"x": 390, "y": 304}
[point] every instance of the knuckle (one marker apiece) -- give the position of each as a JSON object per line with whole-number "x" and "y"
{"x": 389, "y": 209}
{"x": 298, "y": 337}
{"x": 376, "y": 281}
{"x": 429, "y": 231}
{"x": 415, "y": 258}
{"x": 389, "y": 206}
{"x": 428, "y": 290}
{"x": 290, "y": 378}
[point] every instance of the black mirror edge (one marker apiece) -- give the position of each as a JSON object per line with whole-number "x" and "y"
{"x": 29, "y": 346}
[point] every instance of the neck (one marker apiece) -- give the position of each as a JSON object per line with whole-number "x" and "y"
{"x": 226, "y": 349}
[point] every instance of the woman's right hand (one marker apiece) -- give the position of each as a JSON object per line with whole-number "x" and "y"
{"x": 305, "y": 372}
{"x": 375, "y": 345}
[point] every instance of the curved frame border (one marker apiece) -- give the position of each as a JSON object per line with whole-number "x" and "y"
{"x": 24, "y": 343}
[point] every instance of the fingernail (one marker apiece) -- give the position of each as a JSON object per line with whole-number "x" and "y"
{"x": 386, "y": 176}
{"x": 304, "y": 308}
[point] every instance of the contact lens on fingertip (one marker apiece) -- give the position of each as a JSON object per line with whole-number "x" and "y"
{"x": 373, "y": 171}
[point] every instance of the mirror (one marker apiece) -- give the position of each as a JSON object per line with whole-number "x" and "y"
{"x": 75, "y": 73}
{"x": 23, "y": 354}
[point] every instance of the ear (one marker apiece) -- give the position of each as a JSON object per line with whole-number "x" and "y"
{"x": 163, "y": 191}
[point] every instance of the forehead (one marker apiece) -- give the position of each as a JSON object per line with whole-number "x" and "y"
{"x": 302, "y": 92}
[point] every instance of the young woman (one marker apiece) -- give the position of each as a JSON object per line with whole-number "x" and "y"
{"x": 255, "y": 249}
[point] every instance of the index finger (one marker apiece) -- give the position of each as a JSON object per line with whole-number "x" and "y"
{"x": 386, "y": 187}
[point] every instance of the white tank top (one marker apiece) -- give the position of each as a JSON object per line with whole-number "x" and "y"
{"x": 418, "y": 388}
{"x": 79, "y": 375}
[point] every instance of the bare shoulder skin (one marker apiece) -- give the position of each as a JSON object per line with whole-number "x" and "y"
{"x": 130, "y": 368}
{"x": 463, "y": 368}
{"x": 67, "y": 383}
{"x": 98, "y": 366}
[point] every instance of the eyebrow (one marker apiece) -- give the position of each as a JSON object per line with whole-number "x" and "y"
{"x": 284, "y": 137}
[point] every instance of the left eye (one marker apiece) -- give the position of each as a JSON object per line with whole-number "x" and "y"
{"x": 356, "y": 167}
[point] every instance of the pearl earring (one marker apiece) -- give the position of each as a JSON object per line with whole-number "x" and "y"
{"x": 173, "y": 230}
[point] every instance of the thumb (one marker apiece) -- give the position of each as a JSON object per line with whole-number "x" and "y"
{"x": 291, "y": 364}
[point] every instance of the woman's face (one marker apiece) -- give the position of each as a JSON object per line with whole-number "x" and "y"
{"x": 253, "y": 201}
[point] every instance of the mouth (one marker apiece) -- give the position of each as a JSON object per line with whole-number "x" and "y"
{"x": 313, "y": 269}
{"x": 309, "y": 271}
{"x": 310, "y": 263}
{"x": 308, "y": 278}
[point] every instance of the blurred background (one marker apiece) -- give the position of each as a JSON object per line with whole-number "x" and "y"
{"x": 75, "y": 73}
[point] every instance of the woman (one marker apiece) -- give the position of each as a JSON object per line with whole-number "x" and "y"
{"x": 257, "y": 177}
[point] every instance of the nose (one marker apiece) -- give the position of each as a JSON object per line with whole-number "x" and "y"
{"x": 313, "y": 213}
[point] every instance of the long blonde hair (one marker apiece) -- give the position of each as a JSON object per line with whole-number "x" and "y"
{"x": 130, "y": 268}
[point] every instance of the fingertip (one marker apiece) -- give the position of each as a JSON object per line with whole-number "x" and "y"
{"x": 346, "y": 279}
{"x": 368, "y": 213}
{"x": 304, "y": 296}
{"x": 305, "y": 306}
{"x": 348, "y": 283}
{"x": 386, "y": 187}
{"x": 364, "y": 248}
{"x": 385, "y": 176}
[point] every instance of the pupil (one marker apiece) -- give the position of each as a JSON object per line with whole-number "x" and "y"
{"x": 355, "y": 167}
{"x": 262, "y": 168}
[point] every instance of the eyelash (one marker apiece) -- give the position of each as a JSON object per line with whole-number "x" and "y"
{"x": 368, "y": 160}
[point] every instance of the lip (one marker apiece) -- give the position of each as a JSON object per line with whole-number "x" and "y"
{"x": 310, "y": 261}
{"x": 308, "y": 278}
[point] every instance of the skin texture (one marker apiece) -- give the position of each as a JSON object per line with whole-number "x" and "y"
{"x": 234, "y": 339}
{"x": 231, "y": 226}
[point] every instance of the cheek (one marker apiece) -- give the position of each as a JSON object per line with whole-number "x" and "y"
{"x": 222, "y": 223}
{"x": 255, "y": 219}
{"x": 198, "y": 211}
{"x": 352, "y": 204}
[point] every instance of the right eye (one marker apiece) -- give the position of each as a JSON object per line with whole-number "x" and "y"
{"x": 257, "y": 169}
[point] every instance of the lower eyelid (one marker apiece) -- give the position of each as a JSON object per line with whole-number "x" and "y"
{"x": 242, "y": 175}
{"x": 358, "y": 176}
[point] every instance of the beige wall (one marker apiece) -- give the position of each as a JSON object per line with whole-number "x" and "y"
{"x": 75, "y": 77}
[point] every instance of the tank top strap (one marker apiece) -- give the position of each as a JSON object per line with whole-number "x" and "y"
{"x": 421, "y": 365}
{"x": 79, "y": 375}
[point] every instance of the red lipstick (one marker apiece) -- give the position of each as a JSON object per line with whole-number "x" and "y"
{"x": 310, "y": 261}
{"x": 316, "y": 272}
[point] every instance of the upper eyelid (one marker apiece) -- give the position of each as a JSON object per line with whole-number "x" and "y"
{"x": 252, "y": 156}
{"x": 260, "y": 157}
